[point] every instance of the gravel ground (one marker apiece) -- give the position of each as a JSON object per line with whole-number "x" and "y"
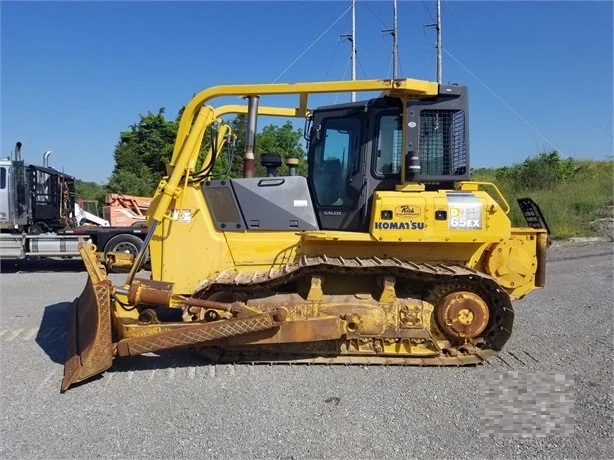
{"x": 174, "y": 406}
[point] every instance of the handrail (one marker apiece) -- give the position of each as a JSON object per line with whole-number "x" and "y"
{"x": 499, "y": 194}
{"x": 407, "y": 87}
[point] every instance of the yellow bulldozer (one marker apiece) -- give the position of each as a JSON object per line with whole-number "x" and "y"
{"x": 385, "y": 253}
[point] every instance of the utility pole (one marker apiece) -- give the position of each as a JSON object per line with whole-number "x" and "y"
{"x": 439, "y": 70}
{"x": 395, "y": 43}
{"x": 437, "y": 27}
{"x": 352, "y": 38}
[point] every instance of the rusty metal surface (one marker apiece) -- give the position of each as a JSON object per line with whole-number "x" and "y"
{"x": 90, "y": 349}
{"x": 312, "y": 330}
{"x": 463, "y": 314}
{"x": 192, "y": 335}
{"x": 438, "y": 279}
{"x": 255, "y": 355}
{"x": 542, "y": 247}
{"x": 159, "y": 294}
{"x": 150, "y": 292}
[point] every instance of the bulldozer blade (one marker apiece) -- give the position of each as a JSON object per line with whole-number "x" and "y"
{"x": 90, "y": 347}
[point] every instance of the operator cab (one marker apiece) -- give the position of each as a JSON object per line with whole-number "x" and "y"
{"x": 355, "y": 149}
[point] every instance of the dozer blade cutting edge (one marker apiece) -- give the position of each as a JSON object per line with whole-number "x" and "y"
{"x": 90, "y": 347}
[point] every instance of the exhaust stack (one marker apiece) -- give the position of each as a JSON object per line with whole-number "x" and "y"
{"x": 18, "y": 151}
{"x": 46, "y": 158}
{"x": 250, "y": 139}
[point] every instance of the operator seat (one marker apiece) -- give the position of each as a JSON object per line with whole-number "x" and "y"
{"x": 331, "y": 182}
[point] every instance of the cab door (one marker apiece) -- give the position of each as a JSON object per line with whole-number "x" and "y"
{"x": 336, "y": 168}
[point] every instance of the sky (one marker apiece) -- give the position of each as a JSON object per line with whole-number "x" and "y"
{"x": 73, "y": 75}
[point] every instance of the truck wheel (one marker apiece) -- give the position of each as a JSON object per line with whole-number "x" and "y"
{"x": 125, "y": 243}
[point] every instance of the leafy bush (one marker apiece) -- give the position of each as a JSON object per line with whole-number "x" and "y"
{"x": 571, "y": 193}
{"x": 539, "y": 173}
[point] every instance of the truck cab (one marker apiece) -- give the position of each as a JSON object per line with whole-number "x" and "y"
{"x": 33, "y": 198}
{"x": 5, "y": 193}
{"x": 39, "y": 218}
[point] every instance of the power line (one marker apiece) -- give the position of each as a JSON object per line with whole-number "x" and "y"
{"x": 312, "y": 44}
{"x": 347, "y": 65}
{"x": 330, "y": 65}
{"x": 316, "y": 14}
{"x": 428, "y": 11}
{"x": 364, "y": 73}
{"x": 449, "y": 6}
{"x": 373, "y": 13}
{"x": 524, "y": 120}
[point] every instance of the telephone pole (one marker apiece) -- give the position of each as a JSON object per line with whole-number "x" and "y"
{"x": 395, "y": 43}
{"x": 437, "y": 27}
{"x": 352, "y": 38}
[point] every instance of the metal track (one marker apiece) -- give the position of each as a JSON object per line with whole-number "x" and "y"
{"x": 219, "y": 356}
{"x": 431, "y": 280}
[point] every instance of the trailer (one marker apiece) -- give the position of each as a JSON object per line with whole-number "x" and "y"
{"x": 125, "y": 210}
{"x": 40, "y": 215}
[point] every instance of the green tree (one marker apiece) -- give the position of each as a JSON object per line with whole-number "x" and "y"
{"x": 284, "y": 140}
{"x": 91, "y": 191}
{"x": 130, "y": 183}
{"x": 142, "y": 153}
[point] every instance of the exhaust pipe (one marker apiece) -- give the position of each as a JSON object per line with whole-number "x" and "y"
{"x": 46, "y": 158}
{"x": 250, "y": 137}
{"x": 18, "y": 151}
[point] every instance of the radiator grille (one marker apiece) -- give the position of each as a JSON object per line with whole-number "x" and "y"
{"x": 443, "y": 151}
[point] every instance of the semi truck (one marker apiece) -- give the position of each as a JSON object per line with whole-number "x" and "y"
{"x": 40, "y": 215}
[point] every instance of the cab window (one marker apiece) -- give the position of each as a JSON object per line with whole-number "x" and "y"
{"x": 389, "y": 143}
{"x": 2, "y": 178}
{"x": 336, "y": 160}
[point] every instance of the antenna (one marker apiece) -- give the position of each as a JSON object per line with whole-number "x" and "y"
{"x": 395, "y": 43}
{"x": 352, "y": 38}
{"x": 437, "y": 26}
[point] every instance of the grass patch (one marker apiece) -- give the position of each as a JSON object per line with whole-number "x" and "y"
{"x": 571, "y": 193}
